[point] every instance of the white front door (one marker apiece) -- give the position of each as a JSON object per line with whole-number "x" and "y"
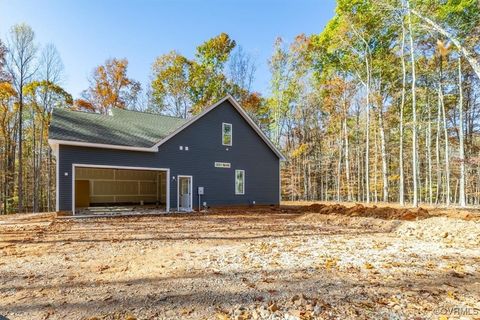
{"x": 185, "y": 193}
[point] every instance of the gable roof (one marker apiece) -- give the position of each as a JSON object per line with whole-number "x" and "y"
{"x": 122, "y": 128}
{"x": 129, "y": 130}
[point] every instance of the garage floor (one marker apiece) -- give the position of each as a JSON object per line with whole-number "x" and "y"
{"x": 120, "y": 210}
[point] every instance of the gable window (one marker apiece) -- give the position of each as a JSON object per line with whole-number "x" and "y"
{"x": 227, "y": 134}
{"x": 239, "y": 181}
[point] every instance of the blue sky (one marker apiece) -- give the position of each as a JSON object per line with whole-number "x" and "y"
{"x": 87, "y": 32}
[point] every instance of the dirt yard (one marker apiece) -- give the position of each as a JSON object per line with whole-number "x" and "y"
{"x": 312, "y": 262}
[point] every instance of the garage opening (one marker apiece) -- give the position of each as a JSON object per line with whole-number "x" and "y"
{"x": 99, "y": 189}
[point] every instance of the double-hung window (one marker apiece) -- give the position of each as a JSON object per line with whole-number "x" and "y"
{"x": 240, "y": 182}
{"x": 227, "y": 134}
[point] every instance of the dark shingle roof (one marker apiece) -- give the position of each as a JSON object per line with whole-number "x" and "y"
{"x": 122, "y": 127}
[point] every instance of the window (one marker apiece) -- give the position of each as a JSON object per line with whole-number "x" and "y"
{"x": 239, "y": 181}
{"x": 227, "y": 134}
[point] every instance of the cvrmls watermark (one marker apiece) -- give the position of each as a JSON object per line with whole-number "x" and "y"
{"x": 457, "y": 311}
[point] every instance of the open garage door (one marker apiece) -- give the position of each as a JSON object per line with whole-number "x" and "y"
{"x": 97, "y": 186}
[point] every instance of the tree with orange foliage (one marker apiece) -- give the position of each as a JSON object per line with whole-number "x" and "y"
{"x": 110, "y": 87}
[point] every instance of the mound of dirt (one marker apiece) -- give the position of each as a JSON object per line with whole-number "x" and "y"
{"x": 316, "y": 207}
{"x": 366, "y": 223}
{"x": 360, "y": 210}
{"x": 460, "y": 232}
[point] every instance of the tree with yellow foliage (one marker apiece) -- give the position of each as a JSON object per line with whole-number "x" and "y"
{"x": 110, "y": 87}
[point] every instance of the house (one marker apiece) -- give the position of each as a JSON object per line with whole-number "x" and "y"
{"x": 218, "y": 158}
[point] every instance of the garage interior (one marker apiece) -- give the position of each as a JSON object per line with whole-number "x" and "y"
{"x": 109, "y": 187}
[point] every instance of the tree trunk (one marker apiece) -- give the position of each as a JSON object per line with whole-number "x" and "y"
{"x": 49, "y": 180}
{"x": 384, "y": 157}
{"x": 339, "y": 168}
{"x": 367, "y": 132}
{"x": 375, "y": 162}
{"x": 429, "y": 152}
{"x": 357, "y": 157}
{"x": 20, "y": 150}
{"x": 347, "y": 160}
{"x": 461, "y": 200}
{"x": 437, "y": 150}
{"x": 447, "y": 156}
{"x": 40, "y": 166}
{"x": 401, "y": 191}
{"x": 414, "y": 112}
{"x": 34, "y": 163}
{"x": 5, "y": 177}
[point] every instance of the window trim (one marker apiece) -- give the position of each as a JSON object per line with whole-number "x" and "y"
{"x": 243, "y": 176}
{"x": 231, "y": 133}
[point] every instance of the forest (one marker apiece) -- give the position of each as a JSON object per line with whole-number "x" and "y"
{"x": 383, "y": 104}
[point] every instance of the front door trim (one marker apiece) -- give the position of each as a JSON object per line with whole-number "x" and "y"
{"x": 178, "y": 191}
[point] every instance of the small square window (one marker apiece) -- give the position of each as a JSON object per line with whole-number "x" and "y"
{"x": 227, "y": 134}
{"x": 180, "y": 147}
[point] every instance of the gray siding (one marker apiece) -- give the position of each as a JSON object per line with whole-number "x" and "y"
{"x": 204, "y": 139}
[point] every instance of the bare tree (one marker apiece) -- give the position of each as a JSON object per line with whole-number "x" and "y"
{"x": 241, "y": 72}
{"x": 51, "y": 70}
{"x": 21, "y": 66}
{"x": 3, "y": 54}
{"x": 51, "y": 66}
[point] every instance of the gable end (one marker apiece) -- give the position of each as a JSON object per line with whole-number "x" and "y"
{"x": 240, "y": 110}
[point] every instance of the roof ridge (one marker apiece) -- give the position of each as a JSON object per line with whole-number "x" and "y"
{"x": 151, "y": 113}
{"x": 120, "y": 109}
{"x": 79, "y": 111}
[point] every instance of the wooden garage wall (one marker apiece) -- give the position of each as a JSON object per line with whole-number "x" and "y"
{"x": 118, "y": 185}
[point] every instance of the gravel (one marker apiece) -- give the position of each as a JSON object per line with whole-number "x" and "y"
{"x": 244, "y": 264}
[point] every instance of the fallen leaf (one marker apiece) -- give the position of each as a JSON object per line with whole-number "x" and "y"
{"x": 273, "y": 307}
{"x": 222, "y": 316}
{"x": 368, "y": 265}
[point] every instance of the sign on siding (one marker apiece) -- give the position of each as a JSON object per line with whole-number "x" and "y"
{"x": 222, "y": 164}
